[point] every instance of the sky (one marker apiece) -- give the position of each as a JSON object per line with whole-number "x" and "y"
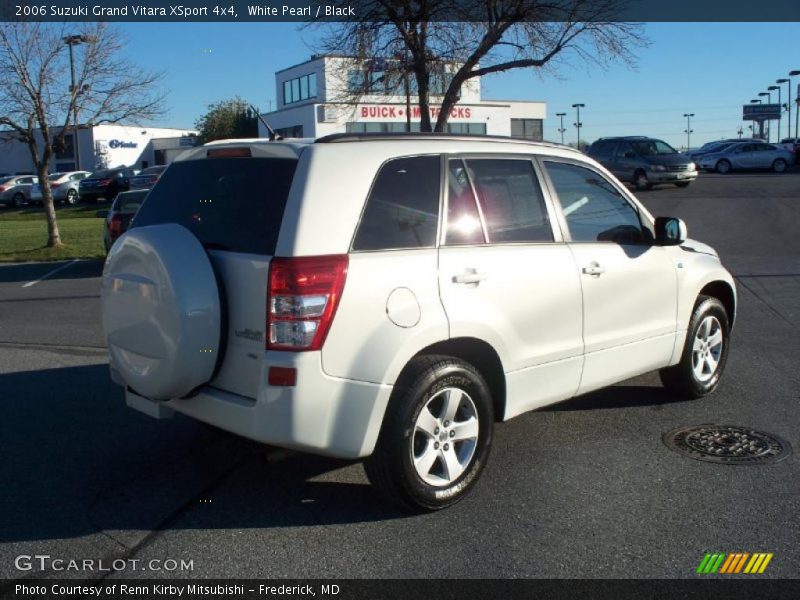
{"x": 709, "y": 69}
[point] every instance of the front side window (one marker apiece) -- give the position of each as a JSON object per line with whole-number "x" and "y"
{"x": 402, "y": 210}
{"x": 511, "y": 200}
{"x": 594, "y": 209}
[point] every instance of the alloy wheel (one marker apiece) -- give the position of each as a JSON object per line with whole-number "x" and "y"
{"x": 445, "y": 437}
{"x": 707, "y": 348}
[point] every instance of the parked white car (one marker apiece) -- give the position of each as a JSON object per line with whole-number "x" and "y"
{"x": 392, "y": 297}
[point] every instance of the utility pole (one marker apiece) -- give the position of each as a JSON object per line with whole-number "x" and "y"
{"x": 74, "y": 40}
{"x": 780, "y": 106}
{"x": 561, "y": 129}
{"x": 688, "y": 129}
{"x": 578, "y": 123}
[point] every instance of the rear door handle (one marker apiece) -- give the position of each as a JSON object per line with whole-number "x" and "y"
{"x": 593, "y": 269}
{"x": 469, "y": 276}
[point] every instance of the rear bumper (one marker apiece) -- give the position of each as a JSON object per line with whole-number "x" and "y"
{"x": 320, "y": 414}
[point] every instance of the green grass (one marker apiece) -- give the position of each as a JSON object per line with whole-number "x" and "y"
{"x": 23, "y": 234}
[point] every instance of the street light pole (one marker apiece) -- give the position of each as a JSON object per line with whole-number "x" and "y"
{"x": 756, "y": 101}
{"x": 561, "y": 129}
{"x": 788, "y": 104}
{"x": 578, "y": 123}
{"x": 777, "y": 87}
{"x": 71, "y": 41}
{"x": 769, "y": 95}
{"x": 688, "y": 128}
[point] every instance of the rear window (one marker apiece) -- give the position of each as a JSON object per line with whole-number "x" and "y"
{"x": 233, "y": 204}
{"x": 129, "y": 202}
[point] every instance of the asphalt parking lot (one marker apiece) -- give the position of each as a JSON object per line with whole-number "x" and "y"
{"x": 582, "y": 489}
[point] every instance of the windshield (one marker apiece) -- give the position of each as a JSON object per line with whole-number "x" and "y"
{"x": 153, "y": 170}
{"x": 233, "y": 204}
{"x": 653, "y": 147}
{"x": 4, "y": 179}
{"x": 129, "y": 202}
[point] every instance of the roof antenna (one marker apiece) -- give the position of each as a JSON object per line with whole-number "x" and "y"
{"x": 272, "y": 135}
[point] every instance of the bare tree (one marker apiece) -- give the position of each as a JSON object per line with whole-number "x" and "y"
{"x": 445, "y": 43}
{"x": 37, "y": 99}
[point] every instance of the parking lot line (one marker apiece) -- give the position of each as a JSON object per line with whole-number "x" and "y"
{"x": 49, "y": 273}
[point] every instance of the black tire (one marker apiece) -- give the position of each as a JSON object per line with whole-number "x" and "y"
{"x": 723, "y": 166}
{"x": 640, "y": 181}
{"x": 779, "y": 165}
{"x": 391, "y": 469}
{"x": 71, "y": 198}
{"x": 683, "y": 184}
{"x": 17, "y": 200}
{"x": 681, "y": 379}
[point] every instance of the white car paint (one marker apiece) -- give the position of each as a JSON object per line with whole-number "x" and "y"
{"x": 557, "y": 329}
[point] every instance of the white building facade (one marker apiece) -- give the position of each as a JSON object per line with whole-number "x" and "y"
{"x": 102, "y": 146}
{"x": 335, "y": 94}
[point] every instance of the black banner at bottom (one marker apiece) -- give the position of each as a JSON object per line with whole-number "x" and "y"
{"x": 407, "y": 589}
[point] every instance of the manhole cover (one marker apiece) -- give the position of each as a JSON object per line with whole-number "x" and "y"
{"x": 728, "y": 444}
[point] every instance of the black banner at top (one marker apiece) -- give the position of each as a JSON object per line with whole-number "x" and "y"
{"x": 374, "y": 10}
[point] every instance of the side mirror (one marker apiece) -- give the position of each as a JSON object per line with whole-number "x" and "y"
{"x": 102, "y": 214}
{"x": 670, "y": 231}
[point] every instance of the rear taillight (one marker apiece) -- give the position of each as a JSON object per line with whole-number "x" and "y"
{"x": 115, "y": 226}
{"x": 302, "y": 298}
{"x": 54, "y": 185}
{"x": 3, "y": 188}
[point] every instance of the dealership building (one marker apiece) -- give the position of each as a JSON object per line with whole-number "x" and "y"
{"x": 101, "y": 146}
{"x": 336, "y": 94}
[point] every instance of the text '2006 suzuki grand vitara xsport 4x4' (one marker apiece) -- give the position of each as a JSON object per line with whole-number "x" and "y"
{"x": 391, "y": 297}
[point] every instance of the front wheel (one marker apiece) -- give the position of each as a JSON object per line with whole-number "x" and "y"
{"x": 779, "y": 166}
{"x": 641, "y": 181}
{"x": 723, "y": 166}
{"x": 436, "y": 435}
{"x": 705, "y": 352}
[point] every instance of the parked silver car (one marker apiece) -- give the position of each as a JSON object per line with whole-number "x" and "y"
{"x": 64, "y": 187}
{"x": 747, "y": 155}
{"x": 15, "y": 190}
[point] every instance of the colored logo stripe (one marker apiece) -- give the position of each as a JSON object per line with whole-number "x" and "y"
{"x": 735, "y": 562}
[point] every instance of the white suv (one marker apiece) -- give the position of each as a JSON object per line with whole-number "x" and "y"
{"x": 391, "y": 297}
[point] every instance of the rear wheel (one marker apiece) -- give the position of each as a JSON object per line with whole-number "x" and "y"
{"x": 72, "y": 197}
{"x": 779, "y": 166}
{"x": 17, "y": 200}
{"x": 436, "y": 435}
{"x": 705, "y": 352}
{"x": 723, "y": 166}
{"x": 641, "y": 181}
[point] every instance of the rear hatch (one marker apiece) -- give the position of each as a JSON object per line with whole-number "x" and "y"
{"x": 234, "y": 205}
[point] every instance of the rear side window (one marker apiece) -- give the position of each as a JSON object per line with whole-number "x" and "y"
{"x": 602, "y": 149}
{"x": 233, "y": 204}
{"x": 511, "y": 200}
{"x": 402, "y": 210}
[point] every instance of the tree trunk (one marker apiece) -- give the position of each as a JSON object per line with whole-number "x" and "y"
{"x": 53, "y": 235}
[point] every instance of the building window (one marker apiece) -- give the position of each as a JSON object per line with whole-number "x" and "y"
{"x": 530, "y": 129}
{"x": 400, "y": 127}
{"x": 467, "y": 128}
{"x": 67, "y": 150}
{"x": 300, "y": 88}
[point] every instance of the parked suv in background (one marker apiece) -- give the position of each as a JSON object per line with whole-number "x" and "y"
{"x": 643, "y": 161}
{"x": 105, "y": 184}
{"x": 395, "y": 313}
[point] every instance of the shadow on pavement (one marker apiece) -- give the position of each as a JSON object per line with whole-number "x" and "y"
{"x": 77, "y": 462}
{"x": 24, "y": 272}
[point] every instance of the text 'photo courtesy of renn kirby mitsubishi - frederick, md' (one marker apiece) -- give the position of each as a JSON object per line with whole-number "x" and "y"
{"x": 399, "y": 299}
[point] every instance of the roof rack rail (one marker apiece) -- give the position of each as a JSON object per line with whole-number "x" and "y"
{"x": 375, "y": 137}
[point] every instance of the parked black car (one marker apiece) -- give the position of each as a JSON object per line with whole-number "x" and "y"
{"x": 643, "y": 161}
{"x": 105, "y": 184}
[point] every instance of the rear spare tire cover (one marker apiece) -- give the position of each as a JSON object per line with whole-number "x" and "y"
{"x": 161, "y": 311}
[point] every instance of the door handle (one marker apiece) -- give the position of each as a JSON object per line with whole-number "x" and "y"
{"x": 469, "y": 276}
{"x": 593, "y": 269}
